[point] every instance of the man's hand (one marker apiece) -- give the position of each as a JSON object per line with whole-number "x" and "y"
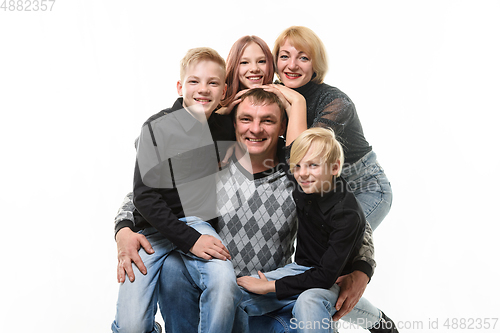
{"x": 128, "y": 244}
{"x": 258, "y": 286}
{"x": 352, "y": 286}
{"x": 208, "y": 247}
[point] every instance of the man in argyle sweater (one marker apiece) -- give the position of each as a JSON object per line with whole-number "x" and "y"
{"x": 258, "y": 218}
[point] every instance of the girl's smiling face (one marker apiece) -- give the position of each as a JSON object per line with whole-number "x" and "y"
{"x": 252, "y": 66}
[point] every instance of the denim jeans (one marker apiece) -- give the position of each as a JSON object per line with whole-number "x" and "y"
{"x": 313, "y": 308}
{"x": 220, "y": 295}
{"x": 178, "y": 296}
{"x": 371, "y": 187}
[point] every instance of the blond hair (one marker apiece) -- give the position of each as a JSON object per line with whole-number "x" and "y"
{"x": 304, "y": 39}
{"x": 324, "y": 145}
{"x": 194, "y": 56}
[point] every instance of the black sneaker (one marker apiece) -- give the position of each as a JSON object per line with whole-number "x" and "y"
{"x": 385, "y": 325}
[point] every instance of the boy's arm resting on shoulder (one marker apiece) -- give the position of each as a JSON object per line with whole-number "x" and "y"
{"x": 353, "y": 285}
{"x": 128, "y": 242}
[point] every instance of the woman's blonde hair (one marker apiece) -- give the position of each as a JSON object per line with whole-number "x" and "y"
{"x": 304, "y": 39}
{"x": 326, "y": 146}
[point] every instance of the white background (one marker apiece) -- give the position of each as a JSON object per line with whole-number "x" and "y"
{"x": 77, "y": 82}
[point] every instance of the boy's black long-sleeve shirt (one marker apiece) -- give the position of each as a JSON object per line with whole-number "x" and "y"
{"x": 173, "y": 150}
{"x": 330, "y": 233}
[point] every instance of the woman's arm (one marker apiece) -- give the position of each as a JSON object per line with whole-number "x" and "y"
{"x": 335, "y": 112}
{"x": 296, "y": 110}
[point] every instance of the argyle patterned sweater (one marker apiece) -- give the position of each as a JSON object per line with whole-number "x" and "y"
{"x": 258, "y": 222}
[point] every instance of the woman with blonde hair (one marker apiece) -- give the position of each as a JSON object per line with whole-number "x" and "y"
{"x": 301, "y": 64}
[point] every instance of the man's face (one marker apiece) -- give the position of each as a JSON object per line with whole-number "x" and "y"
{"x": 258, "y": 128}
{"x": 202, "y": 87}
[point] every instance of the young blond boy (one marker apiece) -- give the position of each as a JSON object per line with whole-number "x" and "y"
{"x": 331, "y": 228}
{"x": 174, "y": 193}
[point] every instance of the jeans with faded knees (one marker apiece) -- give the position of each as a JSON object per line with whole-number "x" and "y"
{"x": 370, "y": 185}
{"x": 136, "y": 306}
{"x": 312, "y": 310}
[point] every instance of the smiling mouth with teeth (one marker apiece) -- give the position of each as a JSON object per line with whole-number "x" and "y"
{"x": 202, "y": 100}
{"x": 293, "y": 74}
{"x": 254, "y": 78}
{"x": 255, "y": 140}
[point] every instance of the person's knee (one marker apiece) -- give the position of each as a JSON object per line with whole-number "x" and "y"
{"x": 314, "y": 300}
{"x": 224, "y": 288}
{"x": 309, "y": 297}
{"x": 226, "y": 284}
{"x": 220, "y": 274}
{"x": 132, "y": 325}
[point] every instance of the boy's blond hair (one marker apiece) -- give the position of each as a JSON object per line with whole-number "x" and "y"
{"x": 198, "y": 54}
{"x": 325, "y": 145}
{"x": 306, "y": 40}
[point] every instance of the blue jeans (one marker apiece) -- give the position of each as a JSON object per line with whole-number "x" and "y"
{"x": 371, "y": 187}
{"x": 220, "y": 295}
{"x": 179, "y": 296}
{"x": 313, "y": 308}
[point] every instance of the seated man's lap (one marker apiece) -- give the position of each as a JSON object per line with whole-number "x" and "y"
{"x": 179, "y": 302}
